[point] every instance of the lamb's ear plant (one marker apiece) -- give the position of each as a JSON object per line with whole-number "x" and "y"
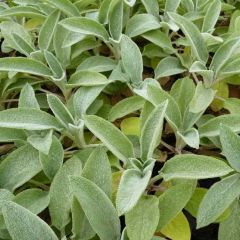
{"x": 119, "y": 119}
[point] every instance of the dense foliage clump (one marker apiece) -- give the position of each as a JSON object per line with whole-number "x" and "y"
{"x": 119, "y": 119}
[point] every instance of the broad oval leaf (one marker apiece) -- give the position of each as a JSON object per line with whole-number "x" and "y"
{"x": 24, "y": 65}
{"x": 52, "y": 161}
{"x": 191, "y": 166}
{"x": 29, "y": 119}
{"x": 202, "y": 98}
{"x": 152, "y": 131}
{"x": 177, "y": 197}
{"x": 22, "y": 11}
{"x": 61, "y": 193}
{"x": 98, "y": 208}
{"x": 111, "y": 136}
{"x": 211, "y": 16}
{"x": 97, "y": 64}
{"x": 193, "y": 35}
{"x": 230, "y": 146}
{"x": 11, "y": 134}
{"x": 47, "y": 30}
{"x": 152, "y": 7}
{"x": 86, "y": 26}
{"x": 34, "y": 199}
{"x": 19, "y": 167}
{"x": 59, "y": 110}
{"x": 87, "y": 79}
{"x": 132, "y": 60}
{"x": 24, "y": 225}
{"x": 98, "y": 170}
{"x": 168, "y": 66}
{"x": 212, "y": 127}
{"x": 229, "y": 228}
{"x": 141, "y": 23}
{"x": 173, "y": 114}
{"x": 217, "y": 199}
{"x": 83, "y": 98}
{"x": 65, "y": 6}
{"x": 115, "y": 17}
{"x": 27, "y": 98}
{"x": 125, "y": 107}
{"x": 132, "y": 185}
{"x": 223, "y": 54}
{"x": 142, "y": 220}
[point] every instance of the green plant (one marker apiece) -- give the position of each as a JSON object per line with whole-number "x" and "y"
{"x": 119, "y": 108}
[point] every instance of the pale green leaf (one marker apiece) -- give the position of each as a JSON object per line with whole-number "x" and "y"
{"x": 193, "y": 35}
{"x": 141, "y": 23}
{"x": 230, "y": 68}
{"x": 202, "y": 98}
{"x": 61, "y": 193}
{"x": 97, "y": 64}
{"x": 98, "y": 170}
{"x": 81, "y": 227}
{"x": 168, "y": 66}
{"x": 142, "y": 220}
{"x": 41, "y": 142}
{"x": 24, "y": 225}
{"x": 19, "y": 167}
{"x": 47, "y": 30}
{"x": 11, "y": 135}
{"x": 190, "y": 137}
{"x": 230, "y": 146}
{"x": 173, "y": 114}
{"x": 223, "y": 54}
{"x": 98, "y": 208}
{"x": 115, "y": 17}
{"x": 52, "y": 161}
{"x": 232, "y": 105}
{"x": 182, "y": 91}
{"x": 111, "y": 136}
{"x": 152, "y": 7}
{"x": 62, "y": 53}
{"x": 177, "y": 197}
{"x": 22, "y": 11}
{"x": 24, "y": 65}
{"x": 217, "y": 199}
{"x": 191, "y": 166}
{"x": 132, "y": 185}
{"x": 34, "y": 199}
{"x": 229, "y": 229}
{"x": 60, "y": 110}
{"x": 27, "y": 98}
{"x": 171, "y": 6}
{"x": 125, "y": 107}
{"x": 29, "y": 119}
{"x": 132, "y": 60}
{"x": 65, "y": 6}
{"x": 160, "y": 39}
{"x": 87, "y": 79}
{"x": 85, "y": 26}
{"x": 152, "y": 131}
{"x": 83, "y": 98}
{"x": 212, "y": 127}
{"x": 23, "y": 46}
{"x": 86, "y": 44}
{"x": 211, "y": 16}
{"x": 55, "y": 66}
{"x": 103, "y": 11}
